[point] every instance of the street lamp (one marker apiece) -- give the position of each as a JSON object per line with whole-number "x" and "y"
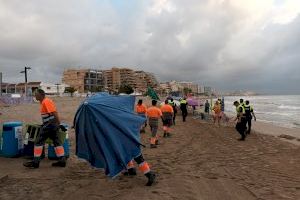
{"x": 57, "y": 88}
{"x": 25, "y": 71}
{"x": 0, "y": 83}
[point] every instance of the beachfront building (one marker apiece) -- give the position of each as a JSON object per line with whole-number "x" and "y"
{"x": 122, "y": 76}
{"x": 177, "y": 88}
{"x": 200, "y": 89}
{"x": 165, "y": 89}
{"x": 193, "y": 87}
{"x": 207, "y": 90}
{"x": 91, "y": 80}
{"x": 31, "y": 87}
{"x": 84, "y": 80}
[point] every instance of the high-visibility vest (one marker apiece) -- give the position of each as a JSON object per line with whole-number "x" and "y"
{"x": 166, "y": 108}
{"x": 248, "y": 110}
{"x": 171, "y": 103}
{"x": 47, "y": 107}
{"x": 141, "y": 108}
{"x": 183, "y": 101}
{"x": 240, "y": 113}
{"x": 154, "y": 112}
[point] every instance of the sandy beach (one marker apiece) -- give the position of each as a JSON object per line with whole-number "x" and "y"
{"x": 200, "y": 161}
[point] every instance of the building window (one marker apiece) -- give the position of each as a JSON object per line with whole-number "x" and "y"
{"x": 93, "y": 75}
{"x": 48, "y": 88}
{"x": 99, "y": 82}
{"x": 99, "y": 76}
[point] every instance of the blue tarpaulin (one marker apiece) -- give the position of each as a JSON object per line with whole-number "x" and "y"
{"x": 107, "y": 132}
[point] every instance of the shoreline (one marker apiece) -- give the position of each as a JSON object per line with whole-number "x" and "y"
{"x": 291, "y": 135}
{"x": 288, "y": 134}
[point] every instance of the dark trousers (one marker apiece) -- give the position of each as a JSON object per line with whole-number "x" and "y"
{"x": 248, "y": 122}
{"x": 184, "y": 114}
{"x": 174, "y": 117}
{"x": 139, "y": 159}
{"x": 48, "y": 131}
{"x": 241, "y": 128}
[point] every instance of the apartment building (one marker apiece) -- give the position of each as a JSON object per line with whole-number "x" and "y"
{"x": 143, "y": 80}
{"x": 75, "y": 78}
{"x": 108, "y": 80}
{"x": 84, "y": 80}
{"x": 190, "y": 85}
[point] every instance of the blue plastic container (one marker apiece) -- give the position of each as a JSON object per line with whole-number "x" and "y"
{"x": 66, "y": 145}
{"x": 12, "y": 139}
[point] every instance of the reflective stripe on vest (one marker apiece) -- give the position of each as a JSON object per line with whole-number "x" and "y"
{"x": 183, "y": 102}
{"x": 47, "y": 117}
{"x": 247, "y": 110}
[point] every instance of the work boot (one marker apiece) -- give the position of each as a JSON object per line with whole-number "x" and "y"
{"x": 156, "y": 142}
{"x": 153, "y": 146}
{"x": 35, "y": 163}
{"x": 168, "y": 134}
{"x": 151, "y": 178}
{"x": 131, "y": 172}
{"x": 241, "y": 139}
{"x": 165, "y": 134}
{"x": 60, "y": 163}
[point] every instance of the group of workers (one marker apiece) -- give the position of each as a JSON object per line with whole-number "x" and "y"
{"x": 244, "y": 116}
{"x": 244, "y": 112}
{"x": 167, "y": 113}
{"x": 51, "y": 126}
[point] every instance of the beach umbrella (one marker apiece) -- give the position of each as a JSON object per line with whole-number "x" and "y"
{"x": 192, "y": 102}
{"x": 107, "y": 132}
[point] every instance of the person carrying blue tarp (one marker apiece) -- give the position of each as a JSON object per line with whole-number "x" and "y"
{"x": 107, "y": 135}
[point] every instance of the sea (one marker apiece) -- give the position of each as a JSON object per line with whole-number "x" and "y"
{"x": 281, "y": 110}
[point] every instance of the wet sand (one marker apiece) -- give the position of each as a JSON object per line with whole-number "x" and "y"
{"x": 199, "y": 161}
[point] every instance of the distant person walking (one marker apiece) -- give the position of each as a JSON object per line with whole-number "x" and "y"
{"x": 223, "y": 105}
{"x": 172, "y": 103}
{"x": 141, "y": 110}
{"x": 206, "y": 109}
{"x": 153, "y": 114}
{"x": 183, "y": 108}
{"x": 241, "y": 120}
{"x": 217, "y": 112}
{"x": 167, "y": 118}
{"x": 249, "y": 112}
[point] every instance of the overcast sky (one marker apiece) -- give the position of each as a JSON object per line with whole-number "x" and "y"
{"x": 227, "y": 44}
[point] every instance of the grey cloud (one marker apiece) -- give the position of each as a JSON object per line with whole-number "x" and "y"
{"x": 198, "y": 41}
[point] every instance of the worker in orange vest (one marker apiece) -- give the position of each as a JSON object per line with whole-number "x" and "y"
{"x": 49, "y": 129}
{"x": 167, "y": 118}
{"x": 141, "y": 110}
{"x": 153, "y": 114}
